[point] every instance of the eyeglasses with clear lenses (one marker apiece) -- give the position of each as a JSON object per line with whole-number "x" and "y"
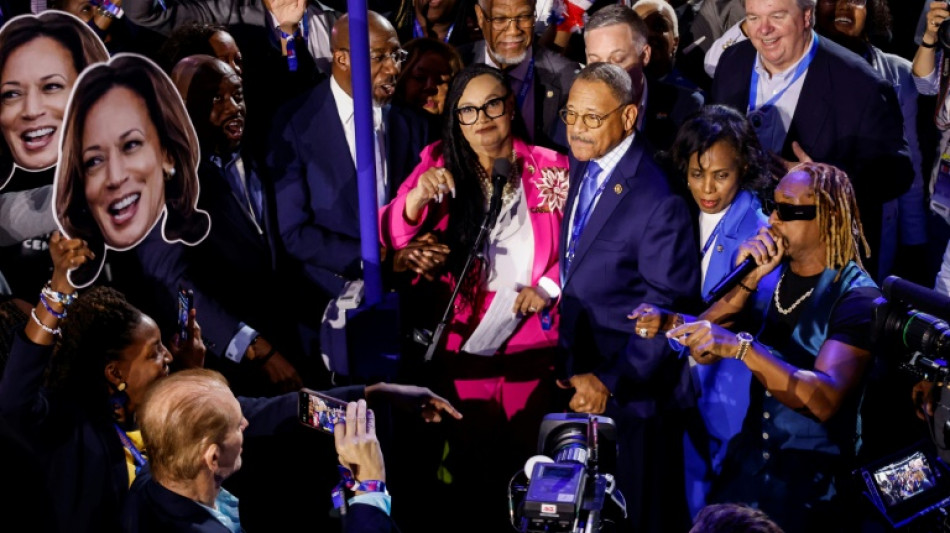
{"x": 398, "y": 56}
{"x": 855, "y": 3}
{"x": 591, "y": 120}
{"x": 502, "y": 23}
{"x": 493, "y": 109}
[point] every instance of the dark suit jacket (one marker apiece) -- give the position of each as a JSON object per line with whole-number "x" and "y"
{"x": 316, "y": 187}
{"x": 847, "y": 116}
{"x": 233, "y": 272}
{"x": 638, "y": 246}
{"x": 553, "y": 77}
{"x": 151, "y": 508}
{"x": 668, "y": 106}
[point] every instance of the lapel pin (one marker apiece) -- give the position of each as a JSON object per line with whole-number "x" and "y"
{"x": 719, "y": 248}
{"x": 618, "y": 188}
{"x": 550, "y": 94}
{"x": 530, "y": 169}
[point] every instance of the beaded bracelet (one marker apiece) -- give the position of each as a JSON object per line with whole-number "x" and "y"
{"x": 50, "y": 310}
{"x": 58, "y": 297}
{"x": 371, "y": 485}
{"x": 52, "y": 331}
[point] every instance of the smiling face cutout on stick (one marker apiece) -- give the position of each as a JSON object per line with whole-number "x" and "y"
{"x": 129, "y": 155}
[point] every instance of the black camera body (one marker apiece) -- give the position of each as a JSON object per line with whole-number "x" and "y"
{"x": 569, "y": 486}
{"x": 910, "y": 322}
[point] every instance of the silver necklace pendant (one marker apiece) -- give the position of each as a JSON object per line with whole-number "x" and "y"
{"x": 778, "y": 306}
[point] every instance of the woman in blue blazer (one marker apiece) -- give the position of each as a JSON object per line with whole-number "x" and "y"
{"x": 718, "y": 156}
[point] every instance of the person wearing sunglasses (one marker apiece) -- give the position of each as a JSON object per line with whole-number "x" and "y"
{"x": 498, "y": 350}
{"x": 801, "y": 322}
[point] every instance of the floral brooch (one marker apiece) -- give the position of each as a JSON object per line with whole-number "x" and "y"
{"x": 552, "y": 189}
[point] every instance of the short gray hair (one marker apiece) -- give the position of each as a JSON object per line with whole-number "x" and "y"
{"x": 615, "y": 77}
{"x": 620, "y": 14}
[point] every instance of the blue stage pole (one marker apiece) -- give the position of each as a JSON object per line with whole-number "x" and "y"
{"x": 365, "y": 151}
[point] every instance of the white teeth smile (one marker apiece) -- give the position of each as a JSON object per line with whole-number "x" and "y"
{"x": 844, "y": 20}
{"x": 42, "y": 132}
{"x": 115, "y": 207}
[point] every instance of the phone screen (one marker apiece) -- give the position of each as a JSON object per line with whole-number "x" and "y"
{"x": 319, "y": 411}
{"x": 186, "y": 301}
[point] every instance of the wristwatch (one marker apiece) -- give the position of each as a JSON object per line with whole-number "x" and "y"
{"x": 745, "y": 341}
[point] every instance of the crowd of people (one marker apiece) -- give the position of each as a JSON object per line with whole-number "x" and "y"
{"x": 631, "y": 154}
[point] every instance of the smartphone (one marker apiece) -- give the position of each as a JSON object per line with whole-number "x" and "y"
{"x": 186, "y": 302}
{"x": 319, "y": 411}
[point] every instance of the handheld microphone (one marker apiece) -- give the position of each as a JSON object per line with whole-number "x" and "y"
{"x": 730, "y": 281}
{"x": 501, "y": 169}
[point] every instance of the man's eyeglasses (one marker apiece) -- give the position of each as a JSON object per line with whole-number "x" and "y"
{"x": 591, "y": 120}
{"x": 502, "y": 23}
{"x": 493, "y": 109}
{"x": 789, "y": 212}
{"x": 855, "y": 3}
{"x": 398, "y": 56}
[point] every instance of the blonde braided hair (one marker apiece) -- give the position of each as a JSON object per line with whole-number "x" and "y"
{"x": 839, "y": 219}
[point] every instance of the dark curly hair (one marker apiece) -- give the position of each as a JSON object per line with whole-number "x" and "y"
{"x": 94, "y": 333}
{"x": 733, "y": 518}
{"x": 715, "y": 123}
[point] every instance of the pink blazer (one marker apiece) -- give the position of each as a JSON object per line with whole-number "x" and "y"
{"x": 544, "y": 176}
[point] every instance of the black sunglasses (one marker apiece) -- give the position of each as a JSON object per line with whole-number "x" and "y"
{"x": 789, "y": 212}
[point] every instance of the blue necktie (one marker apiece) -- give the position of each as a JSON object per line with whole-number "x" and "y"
{"x": 585, "y": 202}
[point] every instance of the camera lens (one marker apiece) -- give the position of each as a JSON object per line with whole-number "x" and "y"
{"x": 943, "y": 34}
{"x": 570, "y": 445}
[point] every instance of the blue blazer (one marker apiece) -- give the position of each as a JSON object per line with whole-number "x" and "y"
{"x": 638, "y": 246}
{"x": 724, "y": 387}
{"x": 847, "y": 116}
{"x": 740, "y": 223}
{"x": 315, "y": 182}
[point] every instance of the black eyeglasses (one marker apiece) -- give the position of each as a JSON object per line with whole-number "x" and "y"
{"x": 493, "y": 109}
{"x": 591, "y": 120}
{"x": 789, "y": 212}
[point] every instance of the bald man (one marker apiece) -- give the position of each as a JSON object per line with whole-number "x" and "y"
{"x": 312, "y": 160}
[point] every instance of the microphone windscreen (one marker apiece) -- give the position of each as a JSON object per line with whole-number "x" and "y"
{"x": 501, "y": 167}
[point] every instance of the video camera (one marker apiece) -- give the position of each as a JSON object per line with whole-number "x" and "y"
{"x": 568, "y": 493}
{"x": 910, "y": 489}
{"x": 910, "y": 322}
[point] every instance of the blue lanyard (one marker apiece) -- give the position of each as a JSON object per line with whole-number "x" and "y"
{"x": 418, "y": 33}
{"x": 137, "y": 456}
{"x": 580, "y": 220}
{"x": 802, "y": 67}
{"x": 713, "y": 235}
{"x": 526, "y": 85}
{"x": 291, "y": 46}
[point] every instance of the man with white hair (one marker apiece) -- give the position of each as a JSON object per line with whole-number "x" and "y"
{"x": 812, "y": 99}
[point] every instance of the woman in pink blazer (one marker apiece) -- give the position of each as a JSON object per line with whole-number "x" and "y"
{"x": 501, "y": 372}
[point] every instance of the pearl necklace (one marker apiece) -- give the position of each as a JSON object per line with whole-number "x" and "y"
{"x": 778, "y": 306}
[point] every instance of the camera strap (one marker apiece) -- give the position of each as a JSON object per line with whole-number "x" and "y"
{"x": 941, "y": 116}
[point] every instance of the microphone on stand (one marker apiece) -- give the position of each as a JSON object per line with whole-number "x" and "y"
{"x": 500, "y": 171}
{"x": 730, "y": 281}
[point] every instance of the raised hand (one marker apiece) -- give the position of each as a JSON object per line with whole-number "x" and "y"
{"x": 436, "y": 184}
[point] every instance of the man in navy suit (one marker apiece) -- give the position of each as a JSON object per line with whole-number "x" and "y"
{"x": 626, "y": 238}
{"x": 815, "y": 99}
{"x": 312, "y": 159}
{"x": 233, "y": 272}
